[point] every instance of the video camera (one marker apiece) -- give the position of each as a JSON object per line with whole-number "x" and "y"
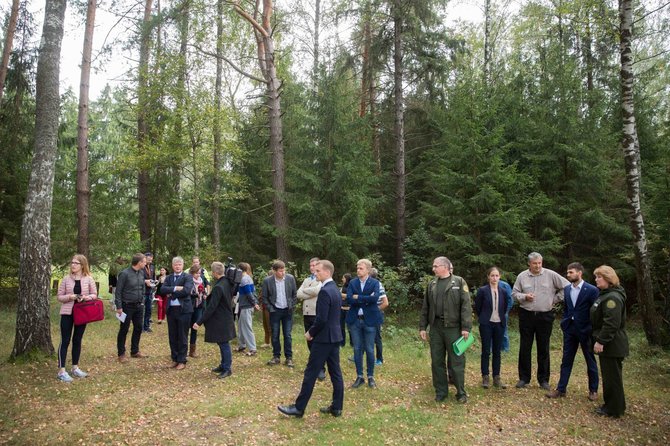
{"x": 233, "y": 273}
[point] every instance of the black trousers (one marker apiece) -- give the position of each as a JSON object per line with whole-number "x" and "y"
{"x": 134, "y": 313}
{"x": 66, "y": 328}
{"x": 178, "y": 325}
{"x": 612, "y": 371}
{"x": 319, "y": 356}
{"x": 535, "y": 325}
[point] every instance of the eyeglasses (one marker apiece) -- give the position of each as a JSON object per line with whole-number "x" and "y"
{"x": 75, "y": 263}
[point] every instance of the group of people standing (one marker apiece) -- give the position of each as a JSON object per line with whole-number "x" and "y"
{"x": 593, "y": 320}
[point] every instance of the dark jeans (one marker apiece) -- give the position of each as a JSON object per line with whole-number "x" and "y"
{"x": 491, "y": 334}
{"x": 226, "y": 356}
{"x": 363, "y": 337}
{"x": 343, "y": 325}
{"x": 378, "y": 344}
{"x": 178, "y": 325}
{"x": 195, "y": 317}
{"x": 148, "y": 301}
{"x": 135, "y": 313}
{"x": 66, "y": 328}
{"x": 572, "y": 340}
{"x": 283, "y": 318}
{"x": 535, "y": 325}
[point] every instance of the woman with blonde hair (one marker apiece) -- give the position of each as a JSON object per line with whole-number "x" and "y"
{"x": 610, "y": 341}
{"x": 77, "y": 286}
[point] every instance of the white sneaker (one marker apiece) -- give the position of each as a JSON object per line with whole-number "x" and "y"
{"x": 65, "y": 377}
{"x": 79, "y": 373}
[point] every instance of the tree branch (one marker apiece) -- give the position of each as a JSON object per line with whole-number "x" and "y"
{"x": 651, "y": 57}
{"x": 650, "y": 13}
{"x": 229, "y": 62}
{"x": 250, "y": 19}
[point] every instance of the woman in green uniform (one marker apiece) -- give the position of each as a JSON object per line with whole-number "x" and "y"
{"x": 608, "y": 317}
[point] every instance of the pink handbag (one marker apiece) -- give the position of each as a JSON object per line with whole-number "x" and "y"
{"x": 88, "y": 311}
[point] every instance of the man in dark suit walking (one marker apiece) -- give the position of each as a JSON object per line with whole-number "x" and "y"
{"x": 178, "y": 287}
{"x": 326, "y": 336}
{"x": 576, "y": 326}
{"x": 280, "y": 296}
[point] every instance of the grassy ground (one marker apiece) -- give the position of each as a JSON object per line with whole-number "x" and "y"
{"x": 144, "y": 402}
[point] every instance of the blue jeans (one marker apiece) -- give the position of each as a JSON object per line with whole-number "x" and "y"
{"x": 148, "y": 299}
{"x": 363, "y": 337}
{"x": 226, "y": 356}
{"x": 283, "y": 318}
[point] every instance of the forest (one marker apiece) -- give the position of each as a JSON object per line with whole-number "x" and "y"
{"x": 343, "y": 129}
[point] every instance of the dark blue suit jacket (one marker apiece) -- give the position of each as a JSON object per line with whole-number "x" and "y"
{"x": 579, "y": 315}
{"x": 484, "y": 304}
{"x": 367, "y": 300}
{"x": 326, "y": 327}
{"x": 184, "y": 296}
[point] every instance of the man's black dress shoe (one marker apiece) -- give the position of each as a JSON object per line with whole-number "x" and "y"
{"x": 330, "y": 410}
{"x": 440, "y": 398}
{"x": 371, "y": 383}
{"x": 291, "y": 411}
{"x": 359, "y": 382}
{"x": 217, "y": 369}
{"x": 225, "y": 374}
{"x": 603, "y": 412}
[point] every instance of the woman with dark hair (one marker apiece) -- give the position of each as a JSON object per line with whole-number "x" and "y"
{"x": 608, "y": 318}
{"x": 198, "y": 297}
{"x": 162, "y": 298}
{"x": 77, "y": 286}
{"x": 491, "y": 309}
{"x": 346, "y": 278}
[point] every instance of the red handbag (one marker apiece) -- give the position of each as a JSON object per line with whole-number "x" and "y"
{"x": 88, "y": 311}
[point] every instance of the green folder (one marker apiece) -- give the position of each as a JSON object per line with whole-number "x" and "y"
{"x": 462, "y": 344}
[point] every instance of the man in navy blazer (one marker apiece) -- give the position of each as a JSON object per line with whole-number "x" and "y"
{"x": 326, "y": 336}
{"x": 178, "y": 287}
{"x": 576, "y": 326}
{"x": 363, "y": 319}
{"x": 280, "y": 297}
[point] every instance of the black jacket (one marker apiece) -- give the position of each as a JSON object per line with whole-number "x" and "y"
{"x": 218, "y": 315}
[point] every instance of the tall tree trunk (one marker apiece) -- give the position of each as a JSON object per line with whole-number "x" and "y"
{"x": 33, "y": 326}
{"x": 487, "y": 41}
{"x": 143, "y": 126}
{"x": 83, "y": 188}
{"x": 218, "y": 149}
{"x": 269, "y": 70}
{"x": 317, "y": 25}
{"x": 588, "y": 55}
{"x": 9, "y": 41}
{"x": 399, "y": 125}
{"x": 365, "y": 65}
{"x": 651, "y": 320}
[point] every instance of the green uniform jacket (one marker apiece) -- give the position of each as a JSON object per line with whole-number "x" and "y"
{"x": 457, "y": 305}
{"x": 608, "y": 317}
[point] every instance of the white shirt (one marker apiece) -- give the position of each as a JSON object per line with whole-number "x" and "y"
{"x": 574, "y": 292}
{"x": 175, "y": 302}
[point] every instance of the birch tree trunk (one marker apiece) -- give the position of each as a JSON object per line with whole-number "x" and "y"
{"x": 83, "y": 188}
{"x": 651, "y": 320}
{"x": 33, "y": 326}
{"x": 9, "y": 42}
{"x": 399, "y": 127}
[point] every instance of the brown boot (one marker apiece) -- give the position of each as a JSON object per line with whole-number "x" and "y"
{"x": 497, "y": 383}
{"x": 192, "y": 352}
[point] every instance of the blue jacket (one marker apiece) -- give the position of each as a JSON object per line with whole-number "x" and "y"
{"x": 367, "y": 300}
{"x": 185, "y": 280}
{"x": 326, "y": 328}
{"x": 484, "y": 304}
{"x": 579, "y": 316}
